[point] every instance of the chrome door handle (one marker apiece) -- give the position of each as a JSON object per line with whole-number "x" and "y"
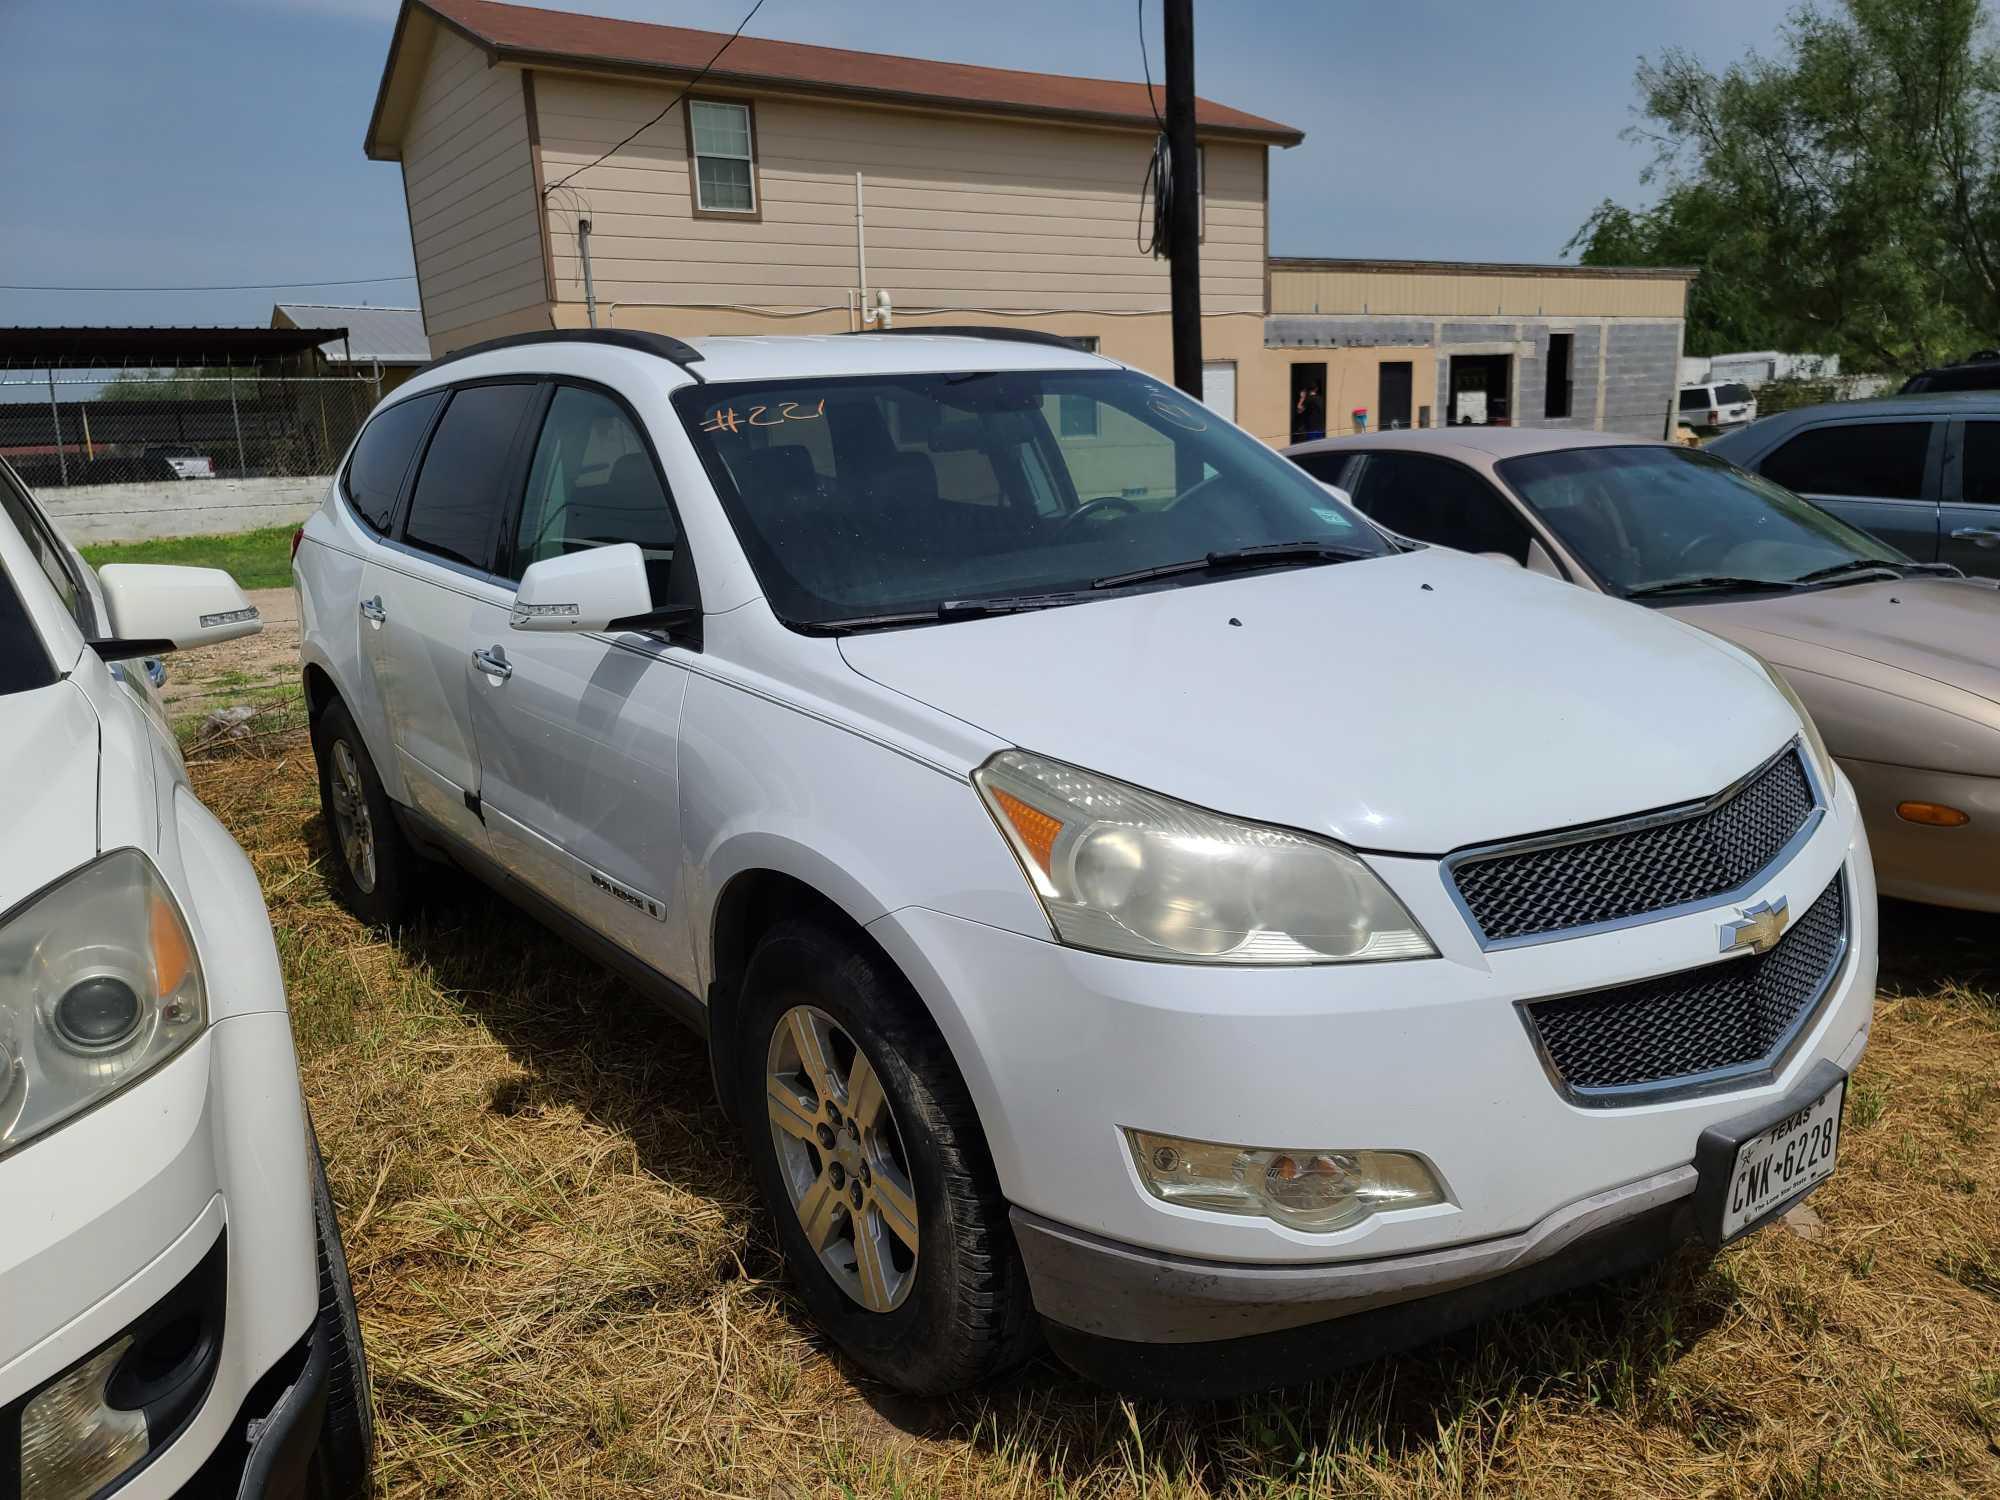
{"x": 493, "y": 662}
{"x": 372, "y": 610}
{"x": 1979, "y": 536}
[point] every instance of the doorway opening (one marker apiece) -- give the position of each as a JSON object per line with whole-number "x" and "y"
{"x": 1392, "y": 394}
{"x": 1481, "y": 389}
{"x": 1308, "y": 406}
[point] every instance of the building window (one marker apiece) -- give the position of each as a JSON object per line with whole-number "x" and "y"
{"x": 725, "y": 178}
{"x": 1078, "y": 414}
{"x": 1557, "y": 401}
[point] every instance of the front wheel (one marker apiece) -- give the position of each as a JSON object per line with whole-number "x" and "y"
{"x": 869, "y": 1154}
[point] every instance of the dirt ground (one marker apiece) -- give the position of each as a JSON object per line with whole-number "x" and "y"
{"x": 239, "y": 671}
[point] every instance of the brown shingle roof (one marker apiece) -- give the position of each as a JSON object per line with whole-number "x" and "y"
{"x": 523, "y": 34}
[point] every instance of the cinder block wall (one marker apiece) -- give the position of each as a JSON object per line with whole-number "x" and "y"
{"x": 186, "y": 507}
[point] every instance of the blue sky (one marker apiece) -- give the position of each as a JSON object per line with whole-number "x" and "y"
{"x": 210, "y": 141}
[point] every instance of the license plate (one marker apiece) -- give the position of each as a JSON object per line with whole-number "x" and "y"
{"x": 1782, "y": 1162}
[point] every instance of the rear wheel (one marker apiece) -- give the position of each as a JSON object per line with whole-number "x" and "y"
{"x": 374, "y": 868}
{"x": 868, "y": 1152}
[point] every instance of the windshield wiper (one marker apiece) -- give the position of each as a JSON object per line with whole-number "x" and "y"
{"x": 950, "y": 609}
{"x": 1714, "y": 584}
{"x": 1238, "y": 559}
{"x": 1860, "y": 567}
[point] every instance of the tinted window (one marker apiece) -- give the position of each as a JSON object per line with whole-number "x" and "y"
{"x": 1325, "y": 467}
{"x": 458, "y": 499}
{"x": 1695, "y": 400}
{"x": 382, "y": 457}
{"x": 1732, "y": 394}
{"x": 592, "y": 483}
{"x": 24, "y": 664}
{"x": 871, "y": 496}
{"x": 1882, "y": 460}
{"x": 1435, "y": 500}
{"x": 1649, "y": 515}
{"x": 49, "y": 556}
{"x": 1979, "y": 481}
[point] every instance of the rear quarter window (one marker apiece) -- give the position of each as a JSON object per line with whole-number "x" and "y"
{"x": 382, "y": 457}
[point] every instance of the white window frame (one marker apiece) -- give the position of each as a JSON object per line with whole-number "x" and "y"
{"x": 749, "y": 158}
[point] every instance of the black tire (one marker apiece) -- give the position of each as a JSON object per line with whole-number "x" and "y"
{"x": 345, "y": 1457}
{"x": 384, "y": 892}
{"x": 967, "y": 1314}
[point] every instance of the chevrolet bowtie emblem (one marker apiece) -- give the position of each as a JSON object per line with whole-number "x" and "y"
{"x": 1758, "y": 929}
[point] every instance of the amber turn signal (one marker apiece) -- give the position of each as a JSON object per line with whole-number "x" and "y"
{"x": 1932, "y": 814}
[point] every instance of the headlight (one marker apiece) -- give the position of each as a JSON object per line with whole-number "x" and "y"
{"x": 1822, "y": 761}
{"x": 98, "y": 984}
{"x": 1126, "y": 871}
{"x": 1320, "y": 1191}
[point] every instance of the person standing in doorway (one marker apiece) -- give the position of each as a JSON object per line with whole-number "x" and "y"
{"x": 1309, "y": 417}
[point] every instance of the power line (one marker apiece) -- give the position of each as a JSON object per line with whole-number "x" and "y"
{"x": 1148, "y": 67}
{"x": 671, "y": 103}
{"x": 256, "y": 286}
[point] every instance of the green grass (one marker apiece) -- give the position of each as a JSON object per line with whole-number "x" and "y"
{"x": 255, "y": 559}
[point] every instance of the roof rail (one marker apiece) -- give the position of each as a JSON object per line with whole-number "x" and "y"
{"x": 664, "y": 345}
{"x": 986, "y": 331}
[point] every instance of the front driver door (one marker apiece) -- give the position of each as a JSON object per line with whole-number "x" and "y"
{"x": 1878, "y": 474}
{"x": 579, "y": 734}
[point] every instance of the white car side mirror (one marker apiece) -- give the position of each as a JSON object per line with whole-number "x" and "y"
{"x": 1540, "y": 562}
{"x": 157, "y": 607}
{"x": 583, "y": 591}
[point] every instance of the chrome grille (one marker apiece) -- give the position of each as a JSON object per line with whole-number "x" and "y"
{"x": 1721, "y": 1020}
{"x": 1643, "y": 866}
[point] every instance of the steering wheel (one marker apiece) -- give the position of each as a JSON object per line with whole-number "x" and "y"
{"x": 1685, "y": 551}
{"x": 1103, "y": 505}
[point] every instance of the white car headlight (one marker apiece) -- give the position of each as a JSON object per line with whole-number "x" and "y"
{"x": 98, "y": 984}
{"x": 1126, "y": 871}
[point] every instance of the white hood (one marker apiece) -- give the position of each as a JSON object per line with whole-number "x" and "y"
{"x": 48, "y": 787}
{"x": 1411, "y": 704}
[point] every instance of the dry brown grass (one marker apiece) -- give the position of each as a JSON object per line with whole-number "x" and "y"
{"x": 567, "y": 1291}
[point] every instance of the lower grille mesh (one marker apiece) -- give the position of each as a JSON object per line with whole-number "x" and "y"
{"x": 1729, "y": 1015}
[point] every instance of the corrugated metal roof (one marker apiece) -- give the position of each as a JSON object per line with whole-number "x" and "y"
{"x": 393, "y": 335}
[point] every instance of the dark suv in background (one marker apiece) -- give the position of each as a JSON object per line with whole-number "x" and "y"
{"x": 1922, "y": 472}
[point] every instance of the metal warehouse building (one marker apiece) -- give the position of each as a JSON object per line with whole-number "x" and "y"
{"x": 1402, "y": 343}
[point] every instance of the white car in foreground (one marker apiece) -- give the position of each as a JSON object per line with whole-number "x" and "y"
{"x": 175, "y": 1318}
{"x": 1119, "y": 884}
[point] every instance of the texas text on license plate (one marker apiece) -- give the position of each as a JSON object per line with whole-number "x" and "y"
{"x": 1780, "y": 1163}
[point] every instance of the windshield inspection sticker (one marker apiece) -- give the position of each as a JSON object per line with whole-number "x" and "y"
{"x": 1177, "y": 414}
{"x": 1333, "y": 516}
{"x": 728, "y": 419}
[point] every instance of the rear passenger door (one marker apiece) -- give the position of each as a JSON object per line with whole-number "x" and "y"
{"x": 1878, "y": 473}
{"x": 421, "y": 592}
{"x": 1969, "y": 522}
{"x": 579, "y": 734}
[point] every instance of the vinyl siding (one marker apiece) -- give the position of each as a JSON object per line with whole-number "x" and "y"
{"x": 470, "y": 183}
{"x": 962, "y": 212}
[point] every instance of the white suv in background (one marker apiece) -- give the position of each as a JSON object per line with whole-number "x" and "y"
{"x": 175, "y": 1316}
{"x": 1117, "y": 883}
{"x": 1720, "y": 406}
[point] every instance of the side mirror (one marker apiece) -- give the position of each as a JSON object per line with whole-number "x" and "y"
{"x": 1540, "y": 562}
{"x": 586, "y": 590}
{"x": 156, "y": 607}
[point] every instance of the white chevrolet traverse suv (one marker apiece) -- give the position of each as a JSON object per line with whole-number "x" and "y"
{"x": 175, "y": 1315}
{"x": 1124, "y": 892}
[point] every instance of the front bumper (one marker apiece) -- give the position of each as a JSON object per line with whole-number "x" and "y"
{"x": 110, "y": 1214}
{"x": 1957, "y": 867}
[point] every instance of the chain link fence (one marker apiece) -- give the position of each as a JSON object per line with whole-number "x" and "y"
{"x": 68, "y": 429}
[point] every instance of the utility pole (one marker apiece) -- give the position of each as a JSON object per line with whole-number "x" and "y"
{"x": 1184, "y": 216}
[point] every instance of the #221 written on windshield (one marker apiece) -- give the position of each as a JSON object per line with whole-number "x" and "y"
{"x": 764, "y": 414}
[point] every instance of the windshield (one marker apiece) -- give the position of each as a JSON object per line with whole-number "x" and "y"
{"x": 888, "y": 495}
{"x": 1642, "y": 517}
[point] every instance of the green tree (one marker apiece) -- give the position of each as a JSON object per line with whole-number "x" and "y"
{"x": 176, "y": 385}
{"x": 1842, "y": 197}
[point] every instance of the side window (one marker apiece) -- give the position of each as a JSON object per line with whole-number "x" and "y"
{"x": 1695, "y": 400}
{"x": 458, "y": 500}
{"x": 1435, "y": 500}
{"x": 1979, "y": 470}
{"x": 49, "y": 556}
{"x": 375, "y": 473}
{"x": 720, "y": 140}
{"x": 593, "y": 484}
{"x": 1879, "y": 460}
{"x": 1325, "y": 467}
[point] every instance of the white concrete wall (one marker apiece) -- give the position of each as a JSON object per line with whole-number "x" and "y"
{"x": 184, "y": 507}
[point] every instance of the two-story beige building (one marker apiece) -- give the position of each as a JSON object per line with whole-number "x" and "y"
{"x": 796, "y": 184}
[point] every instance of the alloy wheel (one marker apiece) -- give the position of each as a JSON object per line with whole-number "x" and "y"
{"x": 841, "y": 1153}
{"x": 351, "y": 824}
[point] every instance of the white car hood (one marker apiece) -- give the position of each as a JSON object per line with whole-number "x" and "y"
{"x": 1411, "y": 704}
{"x": 48, "y": 770}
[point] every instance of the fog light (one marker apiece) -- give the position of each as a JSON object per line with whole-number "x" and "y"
{"x": 1932, "y": 814}
{"x": 1304, "y": 1189}
{"x": 73, "y": 1441}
